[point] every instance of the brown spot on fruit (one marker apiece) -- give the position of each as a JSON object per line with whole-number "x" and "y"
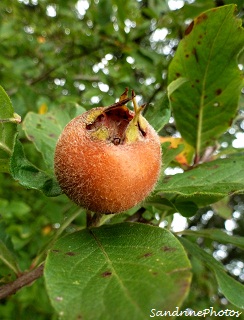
{"x": 108, "y": 159}
{"x": 189, "y": 28}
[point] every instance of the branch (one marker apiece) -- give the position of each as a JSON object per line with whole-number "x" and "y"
{"x": 23, "y": 280}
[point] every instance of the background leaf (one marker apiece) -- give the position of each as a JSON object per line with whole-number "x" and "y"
{"x": 217, "y": 235}
{"x": 29, "y": 175}
{"x": 233, "y": 290}
{"x": 153, "y": 111}
{"x": 208, "y": 182}
{"x": 204, "y": 106}
{"x": 44, "y": 129}
{"x": 169, "y": 153}
{"x": 8, "y": 258}
{"x": 7, "y": 130}
{"x": 116, "y": 271}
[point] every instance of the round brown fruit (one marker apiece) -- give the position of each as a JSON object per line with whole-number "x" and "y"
{"x": 108, "y": 159}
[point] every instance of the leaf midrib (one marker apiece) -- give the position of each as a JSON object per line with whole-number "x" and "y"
{"x": 200, "y": 119}
{"x": 125, "y": 290}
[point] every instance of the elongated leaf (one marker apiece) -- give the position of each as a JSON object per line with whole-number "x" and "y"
{"x": 205, "y": 105}
{"x": 8, "y": 129}
{"x": 169, "y": 154}
{"x": 222, "y": 208}
{"x": 44, "y": 129}
{"x": 217, "y": 235}
{"x": 158, "y": 114}
{"x": 184, "y": 158}
{"x": 186, "y": 208}
{"x": 208, "y": 182}
{"x": 8, "y": 258}
{"x": 116, "y": 272}
{"x": 232, "y": 290}
{"x": 30, "y": 176}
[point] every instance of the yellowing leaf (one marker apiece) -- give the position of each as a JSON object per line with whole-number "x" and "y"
{"x": 184, "y": 157}
{"x": 43, "y": 108}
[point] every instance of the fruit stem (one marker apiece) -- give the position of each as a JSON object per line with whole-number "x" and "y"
{"x": 93, "y": 219}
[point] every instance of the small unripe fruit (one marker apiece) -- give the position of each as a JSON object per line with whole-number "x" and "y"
{"x": 108, "y": 159}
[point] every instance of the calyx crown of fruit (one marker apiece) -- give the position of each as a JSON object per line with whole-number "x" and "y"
{"x": 117, "y": 123}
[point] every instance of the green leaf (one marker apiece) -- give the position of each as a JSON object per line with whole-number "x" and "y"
{"x": 169, "y": 154}
{"x": 116, "y": 271}
{"x": 176, "y": 84}
{"x": 231, "y": 289}
{"x": 208, "y": 182}
{"x": 44, "y": 129}
{"x": 186, "y": 208}
{"x": 30, "y": 176}
{"x": 8, "y": 258}
{"x": 204, "y": 106}
{"x": 222, "y": 208}
{"x": 8, "y": 129}
{"x": 217, "y": 235}
{"x": 6, "y": 247}
{"x": 158, "y": 114}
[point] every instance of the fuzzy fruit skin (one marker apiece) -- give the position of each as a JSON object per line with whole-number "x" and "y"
{"x": 102, "y": 176}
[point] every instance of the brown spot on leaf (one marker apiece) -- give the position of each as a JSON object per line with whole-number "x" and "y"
{"x": 155, "y": 273}
{"x": 230, "y": 122}
{"x": 189, "y": 28}
{"x": 69, "y": 253}
{"x": 106, "y": 274}
{"x": 168, "y": 249}
{"x": 52, "y": 135}
{"x": 218, "y": 92}
{"x": 213, "y": 167}
{"x": 148, "y": 254}
{"x": 197, "y": 80}
{"x": 194, "y": 52}
{"x": 177, "y": 74}
{"x": 55, "y": 251}
{"x": 201, "y": 18}
{"x": 31, "y": 138}
{"x": 51, "y": 118}
{"x": 187, "y": 55}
